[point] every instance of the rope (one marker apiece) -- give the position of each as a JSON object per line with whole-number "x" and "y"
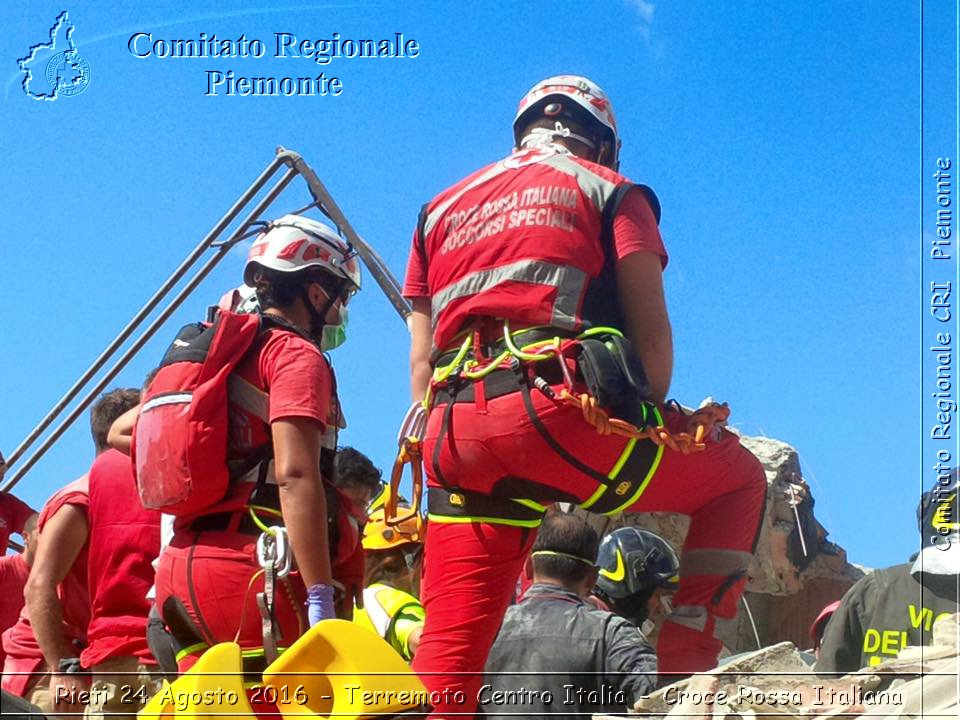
{"x": 706, "y": 419}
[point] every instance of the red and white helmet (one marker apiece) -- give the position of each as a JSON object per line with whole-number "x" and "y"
{"x": 293, "y": 242}
{"x": 582, "y": 91}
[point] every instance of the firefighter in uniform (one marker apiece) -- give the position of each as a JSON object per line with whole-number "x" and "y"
{"x": 892, "y": 608}
{"x": 530, "y": 280}
{"x": 390, "y": 607}
{"x": 638, "y": 577}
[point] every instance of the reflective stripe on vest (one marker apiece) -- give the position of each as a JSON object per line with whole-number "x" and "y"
{"x": 379, "y": 617}
{"x": 255, "y": 401}
{"x": 381, "y": 605}
{"x": 570, "y": 283}
{"x": 482, "y": 244}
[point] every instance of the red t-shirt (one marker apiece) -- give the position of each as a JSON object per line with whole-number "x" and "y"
{"x": 13, "y": 514}
{"x": 13, "y": 578}
{"x": 73, "y": 590}
{"x": 300, "y": 384}
{"x": 124, "y": 537}
{"x": 298, "y": 379}
{"x": 634, "y": 230}
{"x": 19, "y": 644}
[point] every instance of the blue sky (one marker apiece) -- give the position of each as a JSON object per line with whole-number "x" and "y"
{"x": 782, "y": 138}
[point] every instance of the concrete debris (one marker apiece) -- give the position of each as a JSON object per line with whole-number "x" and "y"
{"x": 796, "y": 571}
{"x": 775, "y": 682}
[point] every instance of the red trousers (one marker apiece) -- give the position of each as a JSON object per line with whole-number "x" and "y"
{"x": 213, "y": 577}
{"x": 471, "y": 569}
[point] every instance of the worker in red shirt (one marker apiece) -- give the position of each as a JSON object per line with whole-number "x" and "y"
{"x": 43, "y": 648}
{"x": 14, "y": 570}
{"x": 541, "y": 342}
{"x": 13, "y": 515}
{"x": 123, "y": 542}
{"x": 284, "y": 416}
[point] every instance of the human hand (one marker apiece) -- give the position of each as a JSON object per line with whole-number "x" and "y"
{"x": 320, "y": 603}
{"x": 414, "y": 423}
{"x": 707, "y": 420}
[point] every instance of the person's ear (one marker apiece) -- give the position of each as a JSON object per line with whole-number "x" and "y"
{"x": 607, "y": 155}
{"x": 318, "y": 296}
{"x": 592, "y": 579}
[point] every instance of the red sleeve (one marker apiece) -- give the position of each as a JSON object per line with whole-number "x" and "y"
{"x": 76, "y": 493}
{"x": 415, "y": 283}
{"x": 635, "y": 228}
{"x": 297, "y": 377}
{"x": 15, "y": 511}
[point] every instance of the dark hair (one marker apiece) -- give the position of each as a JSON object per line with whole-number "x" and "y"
{"x": 384, "y": 566}
{"x": 633, "y": 607}
{"x": 107, "y": 409}
{"x": 351, "y": 468}
{"x": 574, "y": 117}
{"x": 31, "y": 523}
{"x": 570, "y": 535}
{"x": 280, "y": 289}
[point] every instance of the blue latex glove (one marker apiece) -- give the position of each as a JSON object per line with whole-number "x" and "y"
{"x": 320, "y": 603}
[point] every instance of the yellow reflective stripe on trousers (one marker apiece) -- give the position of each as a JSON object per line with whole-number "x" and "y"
{"x": 190, "y": 650}
{"x": 532, "y": 504}
{"x": 618, "y": 466}
{"x": 650, "y": 472}
{"x": 488, "y": 520}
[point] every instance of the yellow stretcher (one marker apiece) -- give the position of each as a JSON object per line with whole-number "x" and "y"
{"x": 337, "y": 669}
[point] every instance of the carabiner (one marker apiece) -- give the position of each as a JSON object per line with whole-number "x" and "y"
{"x": 273, "y": 551}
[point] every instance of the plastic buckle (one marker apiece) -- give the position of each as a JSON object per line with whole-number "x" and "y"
{"x": 273, "y": 551}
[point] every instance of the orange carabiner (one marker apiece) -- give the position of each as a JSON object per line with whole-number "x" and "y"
{"x": 410, "y": 451}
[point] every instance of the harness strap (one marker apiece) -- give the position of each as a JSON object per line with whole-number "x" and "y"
{"x": 265, "y": 604}
{"x": 458, "y": 505}
{"x": 265, "y": 600}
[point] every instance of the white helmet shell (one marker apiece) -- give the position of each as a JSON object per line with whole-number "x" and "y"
{"x": 241, "y": 300}
{"x": 293, "y": 242}
{"x": 583, "y": 91}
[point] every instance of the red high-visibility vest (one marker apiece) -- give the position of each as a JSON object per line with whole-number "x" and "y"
{"x": 525, "y": 239}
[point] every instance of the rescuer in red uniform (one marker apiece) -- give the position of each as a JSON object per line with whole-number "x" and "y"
{"x": 530, "y": 280}
{"x": 284, "y": 416}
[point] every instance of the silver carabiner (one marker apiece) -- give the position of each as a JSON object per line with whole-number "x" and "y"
{"x": 273, "y": 551}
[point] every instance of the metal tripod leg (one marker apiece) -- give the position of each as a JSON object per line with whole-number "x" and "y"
{"x": 295, "y": 166}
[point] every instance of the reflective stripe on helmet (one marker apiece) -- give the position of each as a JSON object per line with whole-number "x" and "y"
{"x": 293, "y": 242}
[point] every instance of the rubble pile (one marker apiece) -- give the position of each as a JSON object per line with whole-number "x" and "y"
{"x": 776, "y": 682}
{"x": 797, "y": 570}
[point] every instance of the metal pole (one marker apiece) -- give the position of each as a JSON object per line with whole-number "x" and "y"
{"x": 384, "y": 278}
{"x": 146, "y": 309}
{"x": 151, "y": 329}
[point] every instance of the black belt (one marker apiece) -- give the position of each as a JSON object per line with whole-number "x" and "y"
{"x": 498, "y": 383}
{"x": 464, "y": 503}
{"x": 219, "y": 522}
{"x": 494, "y": 349}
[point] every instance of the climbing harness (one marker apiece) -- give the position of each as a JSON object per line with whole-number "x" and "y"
{"x": 556, "y": 348}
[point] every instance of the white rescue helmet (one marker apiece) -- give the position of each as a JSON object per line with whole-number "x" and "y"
{"x": 576, "y": 88}
{"x": 293, "y": 242}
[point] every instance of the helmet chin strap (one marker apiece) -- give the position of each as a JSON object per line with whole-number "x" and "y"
{"x": 538, "y": 137}
{"x": 317, "y": 318}
{"x": 545, "y": 137}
